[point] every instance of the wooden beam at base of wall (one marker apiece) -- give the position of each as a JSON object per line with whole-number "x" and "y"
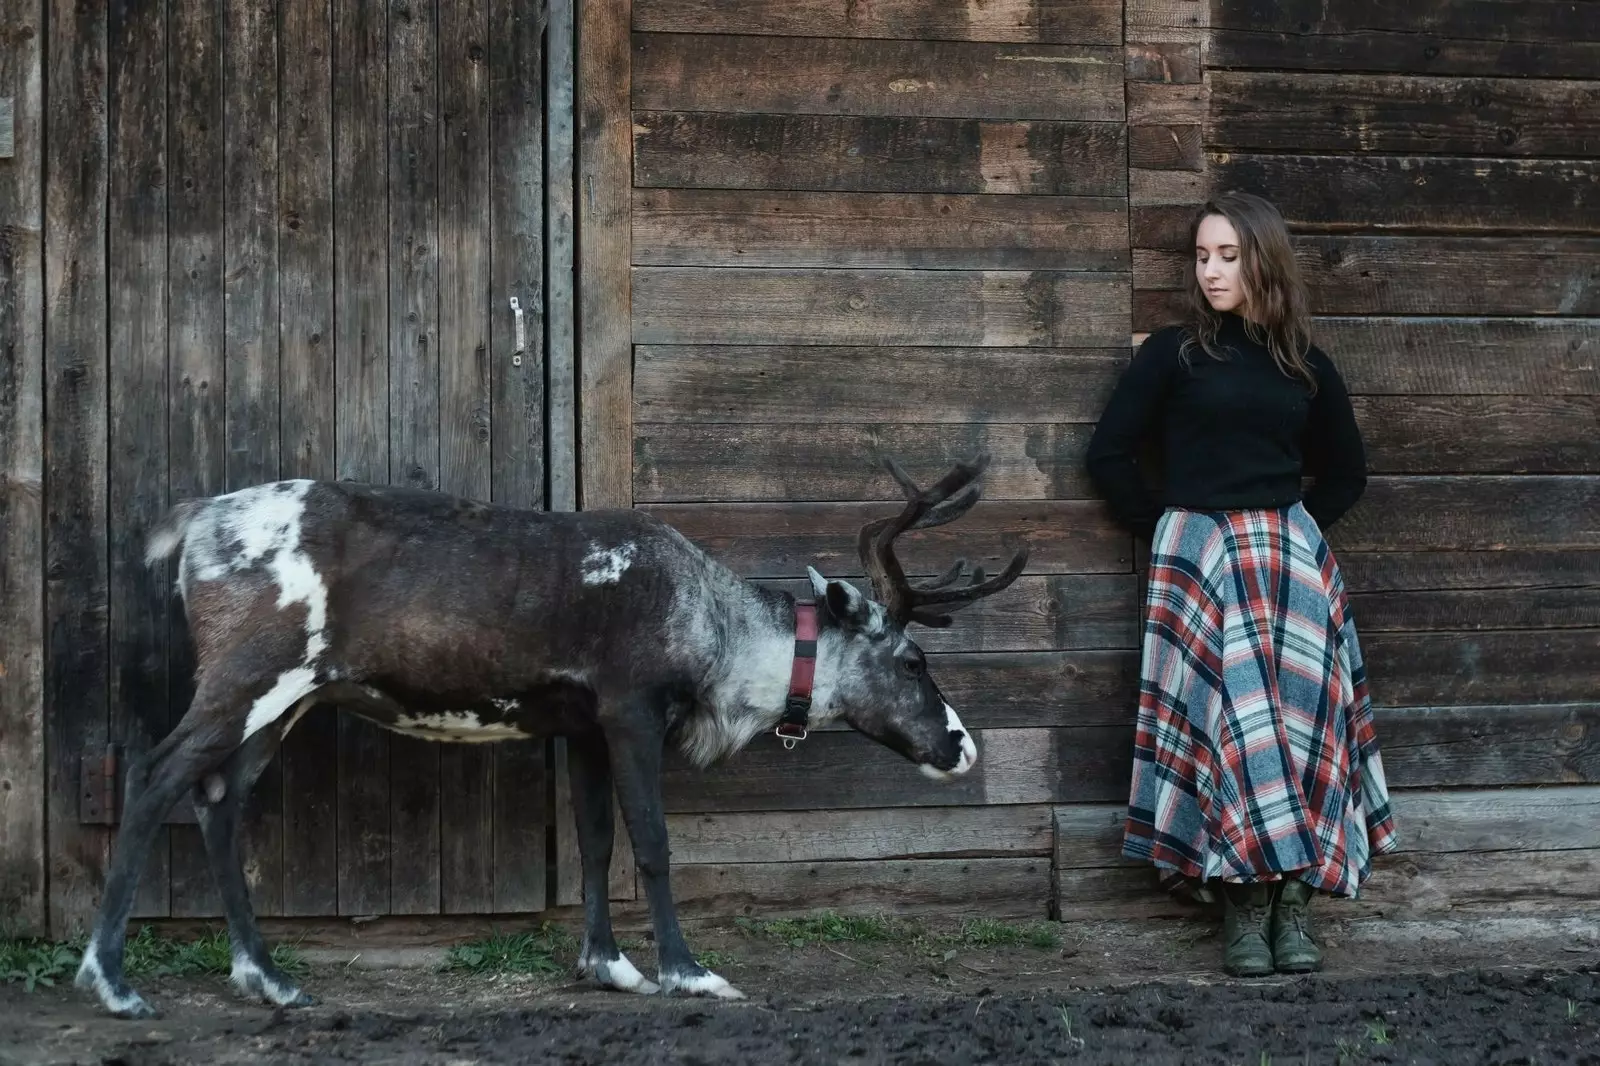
{"x": 1522, "y": 851}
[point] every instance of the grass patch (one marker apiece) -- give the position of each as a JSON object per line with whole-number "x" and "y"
{"x": 989, "y": 933}
{"x": 33, "y": 962}
{"x": 827, "y": 927}
{"x": 534, "y": 952}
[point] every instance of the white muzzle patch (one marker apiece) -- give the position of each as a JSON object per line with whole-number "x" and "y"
{"x": 969, "y": 750}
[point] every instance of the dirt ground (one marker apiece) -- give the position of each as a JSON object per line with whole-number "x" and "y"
{"x": 1485, "y": 991}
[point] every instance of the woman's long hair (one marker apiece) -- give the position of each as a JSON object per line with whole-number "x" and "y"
{"x": 1276, "y": 306}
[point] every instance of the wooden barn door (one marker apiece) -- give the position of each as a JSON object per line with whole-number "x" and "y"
{"x": 285, "y": 240}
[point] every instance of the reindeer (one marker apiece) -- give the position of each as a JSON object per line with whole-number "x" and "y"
{"x": 462, "y": 621}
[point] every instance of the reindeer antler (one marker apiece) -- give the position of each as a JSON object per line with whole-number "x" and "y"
{"x": 931, "y": 603}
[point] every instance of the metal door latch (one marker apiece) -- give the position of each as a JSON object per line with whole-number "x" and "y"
{"x": 516, "y": 355}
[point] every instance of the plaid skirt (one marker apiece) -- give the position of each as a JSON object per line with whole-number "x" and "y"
{"x": 1255, "y": 755}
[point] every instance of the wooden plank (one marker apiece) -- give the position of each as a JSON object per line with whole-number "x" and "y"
{"x": 1472, "y": 512}
{"x": 730, "y": 383}
{"x": 1068, "y": 612}
{"x": 1046, "y": 21}
{"x": 717, "y": 227}
{"x": 1415, "y": 275}
{"x": 196, "y": 419}
{"x": 414, "y": 401}
{"x": 1166, "y": 20}
{"x": 1167, "y": 103}
{"x": 889, "y": 833}
{"x": 1505, "y": 744}
{"x": 466, "y": 771}
{"x": 1012, "y": 887}
{"x": 1476, "y": 609}
{"x": 1439, "y": 194}
{"x": 561, "y": 403}
{"x": 685, "y": 462}
{"x": 1039, "y": 689}
{"x": 1403, "y": 115}
{"x": 1492, "y": 666}
{"x": 1154, "y": 270}
{"x": 1510, "y": 435}
{"x": 305, "y": 285}
{"x": 1161, "y": 226}
{"x": 604, "y": 247}
{"x": 136, "y": 472}
{"x": 1182, "y": 187}
{"x": 8, "y": 127}
{"x": 836, "y": 153}
{"x": 361, "y": 352}
{"x": 1428, "y": 570}
{"x": 780, "y": 540}
{"x": 1174, "y": 63}
{"x": 22, "y": 517}
{"x": 845, "y": 76}
{"x": 1465, "y": 356}
{"x": 1540, "y": 39}
{"x": 519, "y": 797}
{"x": 1172, "y": 146}
{"x": 75, "y": 437}
{"x": 992, "y": 308}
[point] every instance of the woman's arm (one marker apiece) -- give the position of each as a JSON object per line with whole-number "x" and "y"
{"x": 1134, "y": 405}
{"x": 1334, "y": 454}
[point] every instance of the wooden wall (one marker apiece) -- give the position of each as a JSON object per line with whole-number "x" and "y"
{"x": 1439, "y": 164}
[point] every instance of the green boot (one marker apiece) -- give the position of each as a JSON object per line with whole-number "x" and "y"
{"x": 1246, "y": 925}
{"x": 1293, "y": 950}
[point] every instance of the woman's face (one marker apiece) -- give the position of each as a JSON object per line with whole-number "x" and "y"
{"x": 1216, "y": 264}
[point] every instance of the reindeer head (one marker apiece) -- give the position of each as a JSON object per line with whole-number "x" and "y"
{"x": 879, "y": 680}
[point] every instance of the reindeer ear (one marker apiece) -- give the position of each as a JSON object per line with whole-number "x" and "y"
{"x": 848, "y": 605}
{"x": 819, "y": 584}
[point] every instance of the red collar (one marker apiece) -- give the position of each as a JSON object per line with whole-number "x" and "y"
{"x": 797, "y": 707}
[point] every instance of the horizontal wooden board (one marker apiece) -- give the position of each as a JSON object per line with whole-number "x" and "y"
{"x": 1422, "y": 748}
{"x": 991, "y": 308}
{"x": 1165, "y": 62}
{"x": 1465, "y": 356}
{"x": 1491, "y": 666}
{"x": 1475, "y": 609}
{"x": 781, "y": 539}
{"x": 887, "y": 833}
{"x": 1160, "y": 103}
{"x": 1480, "y": 434}
{"x": 1423, "y": 275}
{"x": 719, "y": 227}
{"x": 688, "y": 462}
{"x": 1429, "y": 570}
{"x": 1505, "y": 851}
{"x": 999, "y": 888}
{"x": 835, "y": 153}
{"x": 1517, "y": 38}
{"x": 1188, "y": 188}
{"x": 1472, "y": 512}
{"x": 1038, "y": 689}
{"x": 1159, "y": 270}
{"x": 1172, "y": 146}
{"x": 1049, "y": 21}
{"x": 854, "y": 76}
{"x": 1065, "y": 612}
{"x": 1435, "y": 193}
{"x": 731, "y": 383}
{"x": 1403, "y": 115}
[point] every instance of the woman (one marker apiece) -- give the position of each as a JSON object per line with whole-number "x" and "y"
{"x": 1256, "y": 766}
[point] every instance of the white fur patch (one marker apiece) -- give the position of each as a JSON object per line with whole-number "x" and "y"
{"x": 619, "y": 973}
{"x": 463, "y": 726}
{"x": 605, "y": 566}
{"x": 707, "y": 985}
{"x": 291, "y": 687}
{"x": 969, "y": 750}
{"x": 251, "y": 980}
{"x": 90, "y": 976}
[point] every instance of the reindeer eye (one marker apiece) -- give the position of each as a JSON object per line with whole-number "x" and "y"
{"x": 911, "y": 665}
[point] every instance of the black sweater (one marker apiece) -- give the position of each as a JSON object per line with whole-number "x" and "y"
{"x": 1233, "y": 433}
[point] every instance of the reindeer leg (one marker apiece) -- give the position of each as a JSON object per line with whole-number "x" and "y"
{"x": 636, "y": 753}
{"x": 254, "y": 972}
{"x": 591, "y": 806}
{"x": 196, "y": 744}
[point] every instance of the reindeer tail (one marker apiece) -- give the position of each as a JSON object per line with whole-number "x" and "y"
{"x": 169, "y": 533}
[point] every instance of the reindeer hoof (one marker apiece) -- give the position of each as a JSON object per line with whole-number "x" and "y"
{"x": 269, "y": 986}
{"x": 114, "y": 994}
{"x": 704, "y": 983}
{"x": 618, "y": 973}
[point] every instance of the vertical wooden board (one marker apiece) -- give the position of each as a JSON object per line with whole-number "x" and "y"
{"x": 361, "y": 354}
{"x": 569, "y": 865}
{"x": 22, "y": 783}
{"x": 604, "y": 238}
{"x": 466, "y": 771}
{"x": 413, "y": 147}
{"x": 305, "y": 284}
{"x": 250, "y": 339}
{"x": 560, "y": 307}
{"x": 520, "y": 803}
{"x": 195, "y": 194}
{"x": 136, "y": 472}
{"x": 75, "y": 448}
